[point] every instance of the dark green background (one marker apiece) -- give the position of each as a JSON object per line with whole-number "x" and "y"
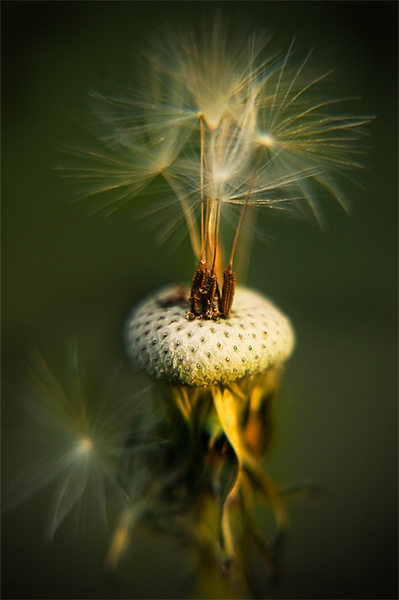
{"x": 68, "y": 275}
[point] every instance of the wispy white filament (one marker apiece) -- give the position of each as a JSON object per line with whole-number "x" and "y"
{"x": 74, "y": 446}
{"x": 221, "y": 118}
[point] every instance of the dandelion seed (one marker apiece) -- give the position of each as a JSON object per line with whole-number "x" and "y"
{"x": 74, "y": 446}
{"x": 227, "y": 124}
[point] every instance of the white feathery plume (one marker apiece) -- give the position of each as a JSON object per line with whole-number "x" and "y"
{"x": 221, "y": 122}
{"x": 74, "y": 445}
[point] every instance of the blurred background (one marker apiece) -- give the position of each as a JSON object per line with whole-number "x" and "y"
{"x": 68, "y": 275}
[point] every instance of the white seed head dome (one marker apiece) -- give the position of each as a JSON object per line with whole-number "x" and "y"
{"x": 162, "y": 341}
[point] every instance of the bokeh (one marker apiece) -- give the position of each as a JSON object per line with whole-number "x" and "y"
{"x": 70, "y": 275}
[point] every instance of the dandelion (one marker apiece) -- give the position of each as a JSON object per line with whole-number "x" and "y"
{"x": 74, "y": 445}
{"x": 223, "y": 126}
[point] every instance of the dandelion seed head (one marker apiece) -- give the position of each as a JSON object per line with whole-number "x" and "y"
{"x": 220, "y": 358}
{"x": 226, "y": 124}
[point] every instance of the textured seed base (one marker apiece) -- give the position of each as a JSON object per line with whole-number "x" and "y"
{"x": 161, "y": 341}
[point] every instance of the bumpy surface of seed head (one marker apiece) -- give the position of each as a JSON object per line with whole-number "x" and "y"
{"x": 164, "y": 343}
